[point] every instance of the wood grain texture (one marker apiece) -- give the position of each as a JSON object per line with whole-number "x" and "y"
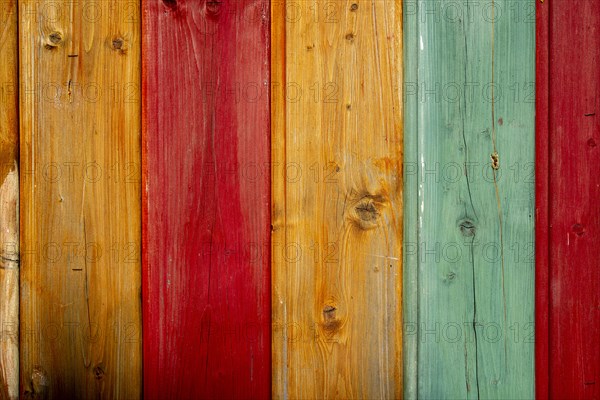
{"x": 337, "y": 199}
{"x": 80, "y": 199}
{"x": 410, "y": 287}
{"x": 542, "y": 287}
{"x": 9, "y": 199}
{"x": 207, "y": 199}
{"x": 471, "y": 194}
{"x": 568, "y": 135}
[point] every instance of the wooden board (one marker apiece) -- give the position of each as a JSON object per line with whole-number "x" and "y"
{"x": 469, "y": 200}
{"x": 9, "y": 199}
{"x": 80, "y": 199}
{"x": 207, "y": 199}
{"x": 337, "y": 199}
{"x": 568, "y": 189}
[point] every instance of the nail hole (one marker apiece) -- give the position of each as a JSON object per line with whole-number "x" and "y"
{"x": 350, "y": 37}
{"x": 354, "y": 7}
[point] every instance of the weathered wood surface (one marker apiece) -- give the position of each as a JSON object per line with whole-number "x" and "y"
{"x": 469, "y": 269}
{"x": 9, "y": 198}
{"x": 337, "y": 199}
{"x": 568, "y": 215}
{"x": 207, "y": 199}
{"x": 80, "y": 199}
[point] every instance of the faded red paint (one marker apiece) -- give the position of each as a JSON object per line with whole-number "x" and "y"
{"x": 206, "y": 223}
{"x": 567, "y": 203}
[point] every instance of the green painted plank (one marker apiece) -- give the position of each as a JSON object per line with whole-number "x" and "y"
{"x": 472, "y": 225}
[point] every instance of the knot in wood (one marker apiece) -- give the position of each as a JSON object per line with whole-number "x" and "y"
{"x": 99, "y": 372}
{"x": 213, "y": 7}
{"x": 467, "y": 228}
{"x": 329, "y": 311}
{"x": 39, "y": 381}
{"x": 578, "y": 229}
{"x": 495, "y": 160}
{"x": 117, "y": 43}
{"x": 330, "y": 321}
{"x": 366, "y": 212}
{"x": 55, "y": 38}
{"x": 172, "y": 4}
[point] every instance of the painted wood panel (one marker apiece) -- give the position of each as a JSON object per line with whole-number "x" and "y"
{"x": 9, "y": 199}
{"x": 469, "y": 197}
{"x": 337, "y": 199}
{"x": 80, "y": 199}
{"x": 207, "y": 199}
{"x": 568, "y": 188}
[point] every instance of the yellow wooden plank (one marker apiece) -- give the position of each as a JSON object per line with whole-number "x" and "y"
{"x": 9, "y": 198}
{"x": 337, "y": 199}
{"x": 80, "y": 199}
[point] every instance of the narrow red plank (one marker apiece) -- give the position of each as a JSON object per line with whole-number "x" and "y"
{"x": 207, "y": 200}
{"x": 568, "y": 292}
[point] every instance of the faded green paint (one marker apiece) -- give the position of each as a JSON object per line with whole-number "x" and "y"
{"x": 468, "y": 264}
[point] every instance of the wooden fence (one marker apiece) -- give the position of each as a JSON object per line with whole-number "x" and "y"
{"x": 299, "y": 199}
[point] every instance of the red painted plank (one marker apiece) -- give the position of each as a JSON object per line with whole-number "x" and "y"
{"x": 206, "y": 227}
{"x": 568, "y": 345}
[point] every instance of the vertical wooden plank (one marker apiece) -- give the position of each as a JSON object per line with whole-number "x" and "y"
{"x": 410, "y": 202}
{"x": 80, "y": 199}
{"x": 473, "y": 90}
{"x": 207, "y": 199}
{"x": 568, "y": 136}
{"x": 278, "y": 194}
{"x": 337, "y": 212}
{"x": 542, "y": 222}
{"x": 9, "y": 198}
